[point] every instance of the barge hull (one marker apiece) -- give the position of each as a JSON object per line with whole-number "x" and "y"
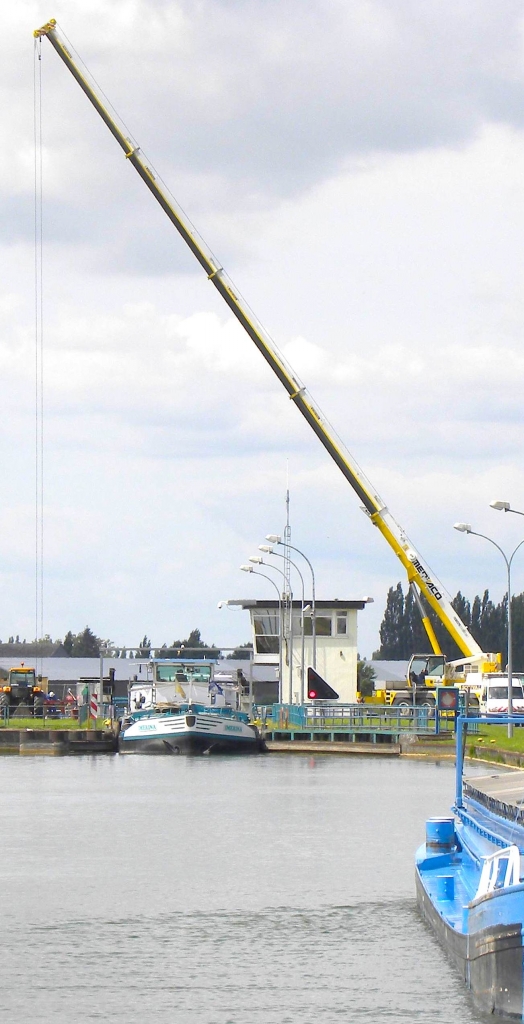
{"x": 490, "y": 960}
{"x": 187, "y": 743}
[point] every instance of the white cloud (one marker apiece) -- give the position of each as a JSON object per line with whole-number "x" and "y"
{"x": 362, "y": 172}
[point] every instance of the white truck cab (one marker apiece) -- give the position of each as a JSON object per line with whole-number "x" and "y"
{"x": 493, "y": 697}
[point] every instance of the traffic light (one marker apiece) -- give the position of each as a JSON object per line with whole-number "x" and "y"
{"x": 317, "y": 688}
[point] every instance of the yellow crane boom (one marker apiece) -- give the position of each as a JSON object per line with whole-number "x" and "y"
{"x": 417, "y": 571}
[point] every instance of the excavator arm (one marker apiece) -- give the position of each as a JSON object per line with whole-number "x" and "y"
{"x": 417, "y": 571}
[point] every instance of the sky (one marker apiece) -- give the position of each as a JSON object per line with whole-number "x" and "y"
{"x": 357, "y": 167}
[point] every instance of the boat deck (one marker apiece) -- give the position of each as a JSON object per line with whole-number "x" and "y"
{"x": 503, "y": 794}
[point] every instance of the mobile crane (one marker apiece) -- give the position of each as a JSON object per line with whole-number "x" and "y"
{"x": 425, "y": 671}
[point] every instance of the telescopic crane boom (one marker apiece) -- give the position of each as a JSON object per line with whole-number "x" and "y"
{"x": 417, "y": 571}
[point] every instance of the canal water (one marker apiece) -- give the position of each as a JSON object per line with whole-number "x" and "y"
{"x": 268, "y": 890}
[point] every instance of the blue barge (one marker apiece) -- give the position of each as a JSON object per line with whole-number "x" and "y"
{"x": 469, "y": 888}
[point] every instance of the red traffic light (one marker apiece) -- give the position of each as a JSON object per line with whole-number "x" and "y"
{"x": 312, "y": 694}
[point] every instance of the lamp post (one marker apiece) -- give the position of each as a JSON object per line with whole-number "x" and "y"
{"x": 275, "y": 538}
{"x": 267, "y": 548}
{"x": 258, "y": 560}
{"x": 249, "y": 568}
{"x": 466, "y": 528}
{"x": 504, "y": 506}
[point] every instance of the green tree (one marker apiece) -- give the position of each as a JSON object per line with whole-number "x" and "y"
{"x": 492, "y": 624}
{"x": 392, "y": 627}
{"x": 415, "y": 636}
{"x": 192, "y": 647}
{"x": 402, "y": 633}
{"x": 144, "y": 650}
{"x": 86, "y": 645}
{"x": 463, "y": 609}
{"x": 517, "y": 619}
{"x": 194, "y": 639}
{"x": 366, "y": 676}
{"x": 68, "y": 643}
{"x": 242, "y": 653}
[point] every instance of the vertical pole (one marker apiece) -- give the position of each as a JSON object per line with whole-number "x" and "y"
{"x": 280, "y": 647}
{"x": 250, "y": 695}
{"x": 101, "y": 694}
{"x": 302, "y": 652}
{"x": 510, "y": 655}
{"x": 289, "y": 598}
{"x": 314, "y": 619}
{"x": 458, "y": 761}
{"x": 313, "y": 602}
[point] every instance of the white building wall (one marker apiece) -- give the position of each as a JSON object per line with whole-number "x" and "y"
{"x": 336, "y": 663}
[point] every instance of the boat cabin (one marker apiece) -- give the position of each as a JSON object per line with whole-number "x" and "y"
{"x": 169, "y": 682}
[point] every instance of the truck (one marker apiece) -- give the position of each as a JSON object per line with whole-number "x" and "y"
{"x": 493, "y": 694}
{"x": 21, "y": 687}
{"x": 421, "y": 578}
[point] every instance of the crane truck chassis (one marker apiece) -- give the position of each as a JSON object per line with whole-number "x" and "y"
{"x": 419, "y": 575}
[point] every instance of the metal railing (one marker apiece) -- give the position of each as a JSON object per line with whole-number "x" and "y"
{"x": 353, "y": 718}
{"x": 499, "y": 870}
{"x": 60, "y": 713}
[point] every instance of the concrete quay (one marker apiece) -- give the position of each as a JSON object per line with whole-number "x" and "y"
{"x": 332, "y": 747}
{"x": 57, "y": 742}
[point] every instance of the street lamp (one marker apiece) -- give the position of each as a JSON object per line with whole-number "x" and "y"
{"x": 275, "y": 538}
{"x": 268, "y": 549}
{"x": 466, "y": 528}
{"x": 504, "y": 506}
{"x": 258, "y": 560}
{"x": 249, "y": 568}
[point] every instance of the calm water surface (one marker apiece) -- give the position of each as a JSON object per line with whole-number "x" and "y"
{"x": 220, "y": 891}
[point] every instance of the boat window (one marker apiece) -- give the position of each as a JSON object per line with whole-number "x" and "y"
{"x": 183, "y": 673}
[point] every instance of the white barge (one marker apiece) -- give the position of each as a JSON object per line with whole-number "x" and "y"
{"x": 186, "y": 708}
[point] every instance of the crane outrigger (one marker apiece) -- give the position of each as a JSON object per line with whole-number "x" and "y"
{"x": 419, "y": 575}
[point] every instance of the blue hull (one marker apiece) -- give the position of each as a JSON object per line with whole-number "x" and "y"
{"x": 484, "y": 941}
{"x": 470, "y": 888}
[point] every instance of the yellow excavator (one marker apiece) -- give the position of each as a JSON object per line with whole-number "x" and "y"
{"x": 427, "y": 670}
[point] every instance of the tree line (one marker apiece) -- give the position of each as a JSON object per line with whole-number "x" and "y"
{"x": 86, "y": 644}
{"x": 402, "y": 633}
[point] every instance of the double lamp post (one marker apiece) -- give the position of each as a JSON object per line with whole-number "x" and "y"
{"x": 258, "y": 561}
{"x": 502, "y": 506}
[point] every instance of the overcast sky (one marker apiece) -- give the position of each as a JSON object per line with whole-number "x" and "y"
{"x": 358, "y": 169}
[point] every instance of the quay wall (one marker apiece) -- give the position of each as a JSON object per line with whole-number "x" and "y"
{"x": 57, "y": 741}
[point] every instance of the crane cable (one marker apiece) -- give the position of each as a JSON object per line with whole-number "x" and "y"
{"x": 38, "y": 344}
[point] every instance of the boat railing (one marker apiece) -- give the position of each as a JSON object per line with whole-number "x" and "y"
{"x": 499, "y": 870}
